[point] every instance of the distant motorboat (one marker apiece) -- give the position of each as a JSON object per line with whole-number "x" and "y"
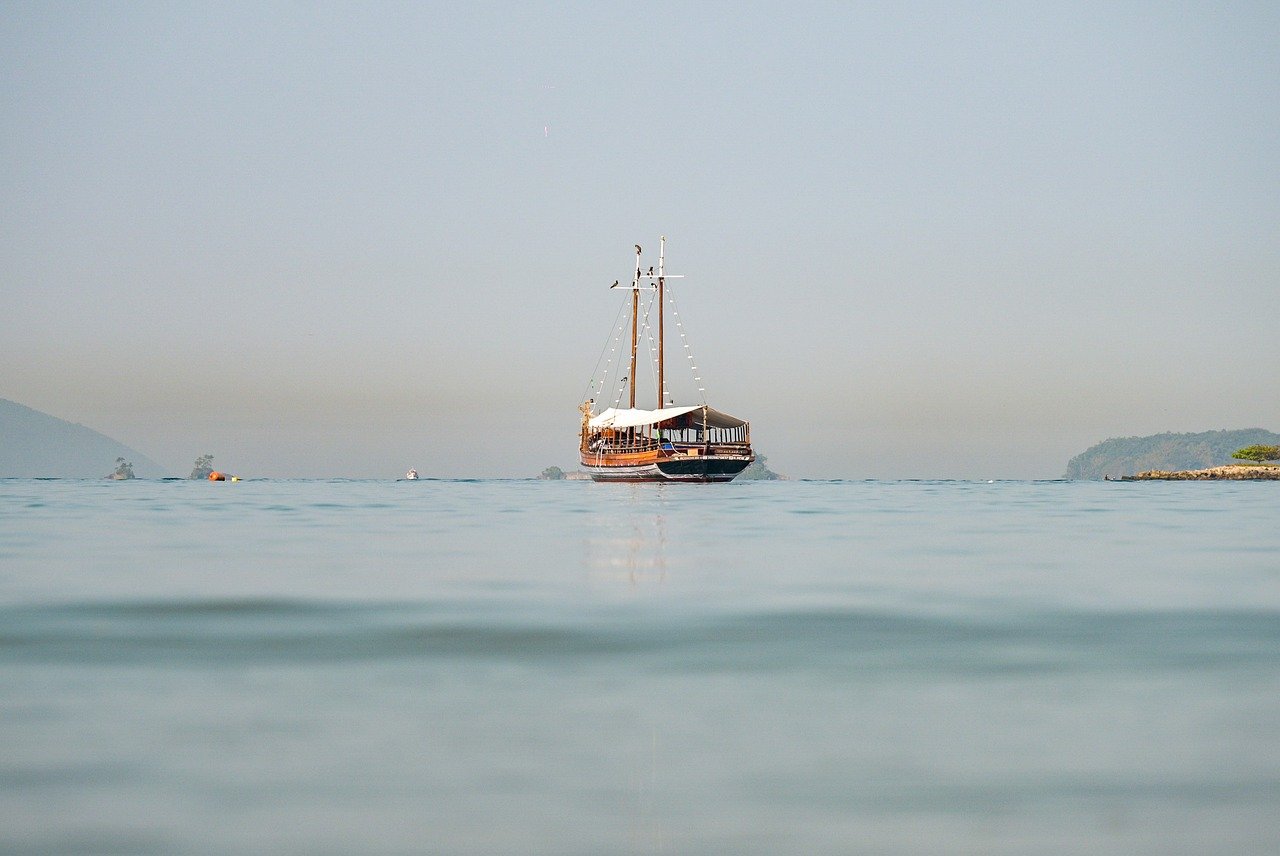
{"x": 411, "y": 475}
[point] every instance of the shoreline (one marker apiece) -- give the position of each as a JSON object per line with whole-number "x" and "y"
{"x": 1229, "y": 472}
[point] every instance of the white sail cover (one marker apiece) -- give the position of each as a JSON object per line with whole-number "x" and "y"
{"x": 631, "y": 418}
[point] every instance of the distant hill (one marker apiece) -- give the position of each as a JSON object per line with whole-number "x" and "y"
{"x": 37, "y": 445}
{"x": 1126, "y": 456}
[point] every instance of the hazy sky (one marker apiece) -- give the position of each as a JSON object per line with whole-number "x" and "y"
{"x": 954, "y": 240}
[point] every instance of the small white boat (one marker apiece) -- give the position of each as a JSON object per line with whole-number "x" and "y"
{"x": 411, "y": 475}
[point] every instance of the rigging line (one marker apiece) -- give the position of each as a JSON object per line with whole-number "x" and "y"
{"x": 622, "y": 387}
{"x": 688, "y": 351}
{"x": 627, "y": 378}
{"x": 604, "y": 380}
{"x": 595, "y": 371}
{"x": 615, "y": 353}
{"x": 596, "y": 384}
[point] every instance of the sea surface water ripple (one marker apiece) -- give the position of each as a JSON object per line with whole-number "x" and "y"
{"x": 481, "y": 667}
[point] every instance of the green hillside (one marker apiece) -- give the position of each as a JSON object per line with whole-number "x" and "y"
{"x": 37, "y": 445}
{"x": 1126, "y": 456}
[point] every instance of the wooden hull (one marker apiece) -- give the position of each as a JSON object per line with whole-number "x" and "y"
{"x": 658, "y": 467}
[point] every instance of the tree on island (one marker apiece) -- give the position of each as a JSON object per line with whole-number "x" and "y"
{"x": 552, "y": 474}
{"x": 124, "y": 470}
{"x": 204, "y": 466}
{"x": 1260, "y": 454}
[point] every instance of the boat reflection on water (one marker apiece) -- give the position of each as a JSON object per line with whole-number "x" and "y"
{"x": 628, "y": 547}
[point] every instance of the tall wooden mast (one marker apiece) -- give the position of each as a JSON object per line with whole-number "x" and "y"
{"x": 662, "y": 349}
{"x": 635, "y": 311}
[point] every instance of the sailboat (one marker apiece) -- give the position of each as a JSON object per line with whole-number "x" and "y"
{"x": 681, "y": 443}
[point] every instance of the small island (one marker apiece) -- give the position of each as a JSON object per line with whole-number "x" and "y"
{"x": 557, "y": 474}
{"x": 123, "y": 471}
{"x": 1125, "y": 457}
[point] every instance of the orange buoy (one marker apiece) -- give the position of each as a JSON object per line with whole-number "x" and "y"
{"x": 217, "y": 476}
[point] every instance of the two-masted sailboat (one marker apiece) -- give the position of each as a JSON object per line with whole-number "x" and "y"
{"x": 685, "y": 443}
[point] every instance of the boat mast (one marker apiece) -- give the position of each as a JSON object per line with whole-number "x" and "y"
{"x": 635, "y": 311}
{"x": 662, "y": 250}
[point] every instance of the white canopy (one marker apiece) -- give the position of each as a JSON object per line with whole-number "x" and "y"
{"x": 614, "y": 418}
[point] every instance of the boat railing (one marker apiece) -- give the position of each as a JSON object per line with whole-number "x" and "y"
{"x": 599, "y": 444}
{"x": 639, "y": 444}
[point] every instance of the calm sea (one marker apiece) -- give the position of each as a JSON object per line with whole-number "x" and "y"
{"x": 493, "y": 667}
